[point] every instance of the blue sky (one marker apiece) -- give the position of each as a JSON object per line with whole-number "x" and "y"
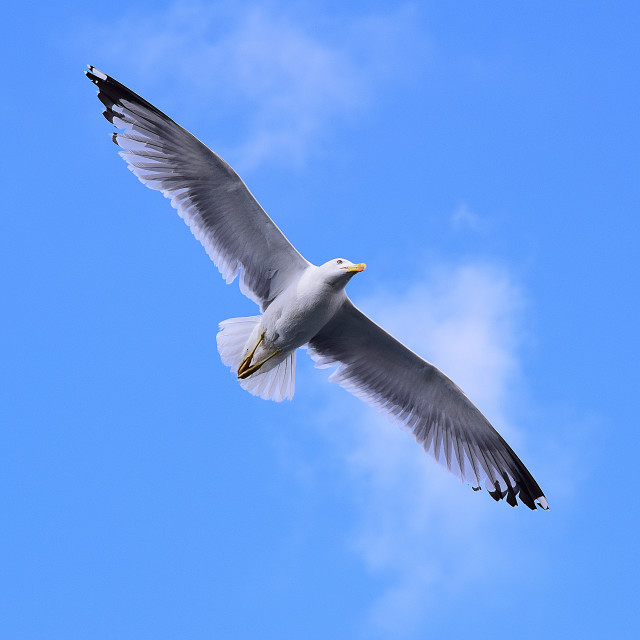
{"x": 482, "y": 159}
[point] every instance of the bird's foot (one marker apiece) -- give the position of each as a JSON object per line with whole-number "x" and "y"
{"x": 245, "y": 373}
{"x": 246, "y": 362}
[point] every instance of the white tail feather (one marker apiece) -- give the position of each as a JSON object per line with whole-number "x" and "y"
{"x": 232, "y": 338}
{"x": 275, "y": 384}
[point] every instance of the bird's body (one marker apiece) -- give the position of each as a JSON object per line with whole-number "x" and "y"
{"x": 304, "y": 304}
{"x": 296, "y": 315}
{"x": 292, "y": 320}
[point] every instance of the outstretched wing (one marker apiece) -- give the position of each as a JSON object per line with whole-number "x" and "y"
{"x": 377, "y": 368}
{"x": 207, "y": 193}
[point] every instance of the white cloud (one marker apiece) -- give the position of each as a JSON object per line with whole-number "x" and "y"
{"x": 465, "y": 218}
{"x": 286, "y": 75}
{"x": 465, "y": 320}
{"x": 417, "y": 524}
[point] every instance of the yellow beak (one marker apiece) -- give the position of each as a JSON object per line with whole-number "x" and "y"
{"x": 356, "y": 268}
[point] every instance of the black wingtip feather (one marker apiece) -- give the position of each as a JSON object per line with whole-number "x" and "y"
{"x": 496, "y": 494}
{"x": 91, "y": 74}
{"x": 111, "y": 92}
{"x": 526, "y": 499}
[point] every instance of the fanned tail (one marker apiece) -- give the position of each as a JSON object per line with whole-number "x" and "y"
{"x": 232, "y": 338}
{"x": 275, "y": 384}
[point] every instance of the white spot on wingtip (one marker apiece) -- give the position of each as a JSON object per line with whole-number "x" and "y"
{"x": 542, "y": 502}
{"x": 97, "y": 72}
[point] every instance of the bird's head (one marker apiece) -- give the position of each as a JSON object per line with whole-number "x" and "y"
{"x": 339, "y": 271}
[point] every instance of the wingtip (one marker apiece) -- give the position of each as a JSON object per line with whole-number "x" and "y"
{"x": 510, "y": 494}
{"x": 92, "y": 71}
{"x": 542, "y": 503}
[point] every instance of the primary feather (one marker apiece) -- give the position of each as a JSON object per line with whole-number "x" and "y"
{"x": 207, "y": 193}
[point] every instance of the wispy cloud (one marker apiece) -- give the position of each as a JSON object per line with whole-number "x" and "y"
{"x": 464, "y": 218}
{"x": 417, "y": 524}
{"x": 286, "y": 75}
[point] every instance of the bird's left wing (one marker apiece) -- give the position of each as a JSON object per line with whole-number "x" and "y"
{"x": 208, "y": 194}
{"x": 377, "y": 368}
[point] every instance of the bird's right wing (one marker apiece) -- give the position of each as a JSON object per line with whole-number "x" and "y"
{"x": 377, "y": 368}
{"x": 208, "y": 194}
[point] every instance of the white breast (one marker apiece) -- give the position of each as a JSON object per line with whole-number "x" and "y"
{"x": 301, "y": 311}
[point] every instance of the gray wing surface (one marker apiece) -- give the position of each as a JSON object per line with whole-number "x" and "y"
{"x": 208, "y": 194}
{"x": 384, "y": 373}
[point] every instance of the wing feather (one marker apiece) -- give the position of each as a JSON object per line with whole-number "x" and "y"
{"x": 207, "y": 193}
{"x": 374, "y": 366}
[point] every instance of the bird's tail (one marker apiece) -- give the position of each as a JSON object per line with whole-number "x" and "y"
{"x": 277, "y": 383}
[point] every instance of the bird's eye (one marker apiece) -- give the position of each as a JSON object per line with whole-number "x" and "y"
{"x": 338, "y": 261}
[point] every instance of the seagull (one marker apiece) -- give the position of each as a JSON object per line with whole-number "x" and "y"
{"x": 303, "y": 304}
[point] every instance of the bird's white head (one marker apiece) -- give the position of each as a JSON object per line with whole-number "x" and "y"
{"x": 339, "y": 271}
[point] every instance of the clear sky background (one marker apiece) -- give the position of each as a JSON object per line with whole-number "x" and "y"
{"x": 483, "y": 159}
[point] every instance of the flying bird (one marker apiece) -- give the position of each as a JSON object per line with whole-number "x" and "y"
{"x": 303, "y": 304}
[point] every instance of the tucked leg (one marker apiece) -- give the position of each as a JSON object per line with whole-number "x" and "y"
{"x": 244, "y": 365}
{"x": 245, "y": 373}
